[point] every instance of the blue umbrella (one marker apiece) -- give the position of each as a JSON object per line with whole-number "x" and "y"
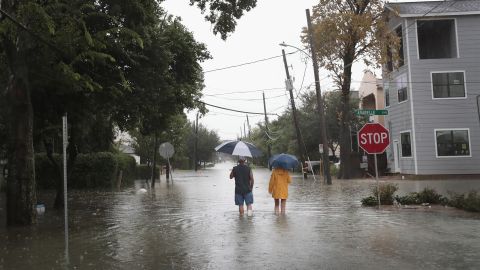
{"x": 285, "y": 161}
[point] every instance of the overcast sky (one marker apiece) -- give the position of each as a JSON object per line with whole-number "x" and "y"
{"x": 257, "y": 37}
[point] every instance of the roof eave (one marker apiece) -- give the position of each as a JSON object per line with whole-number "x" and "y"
{"x": 440, "y": 14}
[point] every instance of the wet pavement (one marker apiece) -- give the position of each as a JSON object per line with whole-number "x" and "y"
{"x": 192, "y": 223}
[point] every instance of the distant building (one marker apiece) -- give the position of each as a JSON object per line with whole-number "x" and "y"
{"x": 126, "y": 149}
{"x": 371, "y": 95}
{"x": 432, "y": 92}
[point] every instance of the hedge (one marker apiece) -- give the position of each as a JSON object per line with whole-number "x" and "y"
{"x": 94, "y": 170}
{"x": 144, "y": 171}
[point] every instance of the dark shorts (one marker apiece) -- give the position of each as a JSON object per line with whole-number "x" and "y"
{"x": 245, "y": 198}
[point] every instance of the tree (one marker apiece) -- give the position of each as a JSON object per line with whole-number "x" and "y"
{"x": 76, "y": 55}
{"x": 207, "y": 141}
{"x": 344, "y": 32}
{"x": 223, "y": 14}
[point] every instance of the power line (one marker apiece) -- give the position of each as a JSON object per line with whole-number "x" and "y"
{"x": 246, "y": 99}
{"x": 248, "y": 91}
{"x": 214, "y": 113}
{"x": 247, "y": 63}
{"x": 233, "y": 110}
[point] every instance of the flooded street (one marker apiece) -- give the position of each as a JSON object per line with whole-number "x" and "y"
{"x": 192, "y": 223}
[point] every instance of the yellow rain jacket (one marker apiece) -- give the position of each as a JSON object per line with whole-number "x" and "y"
{"x": 278, "y": 185}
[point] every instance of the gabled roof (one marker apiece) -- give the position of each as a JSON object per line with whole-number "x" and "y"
{"x": 436, "y": 8}
{"x": 127, "y": 149}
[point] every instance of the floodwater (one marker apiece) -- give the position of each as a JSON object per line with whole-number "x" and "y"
{"x": 192, "y": 223}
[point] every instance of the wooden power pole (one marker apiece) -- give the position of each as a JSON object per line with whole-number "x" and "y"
{"x": 269, "y": 149}
{"x": 294, "y": 110}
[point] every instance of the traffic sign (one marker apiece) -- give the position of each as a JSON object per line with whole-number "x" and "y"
{"x": 166, "y": 150}
{"x": 373, "y": 138}
{"x": 371, "y": 112}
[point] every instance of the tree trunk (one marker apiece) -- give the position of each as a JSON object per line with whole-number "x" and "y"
{"x": 21, "y": 194}
{"x": 154, "y": 165}
{"x": 345, "y": 136}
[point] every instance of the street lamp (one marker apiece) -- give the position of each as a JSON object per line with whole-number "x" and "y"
{"x": 283, "y": 44}
{"x": 320, "y": 106}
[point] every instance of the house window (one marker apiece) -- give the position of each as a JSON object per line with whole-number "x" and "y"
{"x": 402, "y": 88}
{"x": 398, "y": 31}
{"x": 387, "y": 97}
{"x": 436, "y": 39}
{"x": 391, "y": 52}
{"x": 448, "y": 85}
{"x": 406, "y": 144}
{"x": 452, "y": 143}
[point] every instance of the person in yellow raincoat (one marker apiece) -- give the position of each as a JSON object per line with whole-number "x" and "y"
{"x": 278, "y": 187}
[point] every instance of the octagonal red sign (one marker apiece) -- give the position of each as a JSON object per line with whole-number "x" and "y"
{"x": 373, "y": 138}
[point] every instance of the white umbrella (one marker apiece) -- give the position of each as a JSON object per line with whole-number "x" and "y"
{"x": 239, "y": 148}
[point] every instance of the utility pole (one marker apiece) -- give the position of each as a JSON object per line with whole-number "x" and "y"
{"x": 320, "y": 106}
{"x": 195, "y": 158}
{"x": 269, "y": 149}
{"x": 249, "y": 129}
{"x": 289, "y": 85}
{"x": 244, "y": 130}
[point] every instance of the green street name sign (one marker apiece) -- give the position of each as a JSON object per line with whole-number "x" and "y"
{"x": 371, "y": 112}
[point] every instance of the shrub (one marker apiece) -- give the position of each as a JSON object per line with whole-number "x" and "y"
{"x": 427, "y": 195}
{"x": 369, "y": 201}
{"x": 94, "y": 170}
{"x": 127, "y": 165}
{"x": 143, "y": 171}
{"x": 45, "y": 174}
{"x": 386, "y": 193}
{"x": 469, "y": 201}
{"x": 333, "y": 169}
{"x": 411, "y": 198}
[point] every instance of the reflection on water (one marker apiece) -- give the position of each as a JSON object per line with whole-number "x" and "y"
{"x": 192, "y": 223}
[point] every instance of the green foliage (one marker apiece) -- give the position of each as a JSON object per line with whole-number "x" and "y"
{"x": 333, "y": 169}
{"x": 95, "y": 170}
{"x": 369, "y": 201}
{"x": 143, "y": 171}
{"x": 469, "y": 201}
{"x": 222, "y": 14}
{"x": 45, "y": 173}
{"x": 408, "y": 199}
{"x": 386, "y": 193}
{"x": 128, "y": 166}
{"x": 427, "y": 195}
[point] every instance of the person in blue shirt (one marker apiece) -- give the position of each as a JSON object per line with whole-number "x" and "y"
{"x": 243, "y": 186}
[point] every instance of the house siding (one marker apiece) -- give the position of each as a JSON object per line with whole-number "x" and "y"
{"x": 399, "y": 117}
{"x": 431, "y": 114}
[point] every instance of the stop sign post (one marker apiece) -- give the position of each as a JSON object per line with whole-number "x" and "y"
{"x": 374, "y": 139}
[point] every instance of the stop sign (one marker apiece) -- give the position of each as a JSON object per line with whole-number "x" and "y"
{"x": 373, "y": 138}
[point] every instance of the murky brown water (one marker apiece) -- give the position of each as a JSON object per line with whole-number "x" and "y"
{"x": 193, "y": 223}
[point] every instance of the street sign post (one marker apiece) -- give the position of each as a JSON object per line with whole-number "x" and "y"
{"x": 371, "y": 112}
{"x": 166, "y": 151}
{"x": 374, "y": 139}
